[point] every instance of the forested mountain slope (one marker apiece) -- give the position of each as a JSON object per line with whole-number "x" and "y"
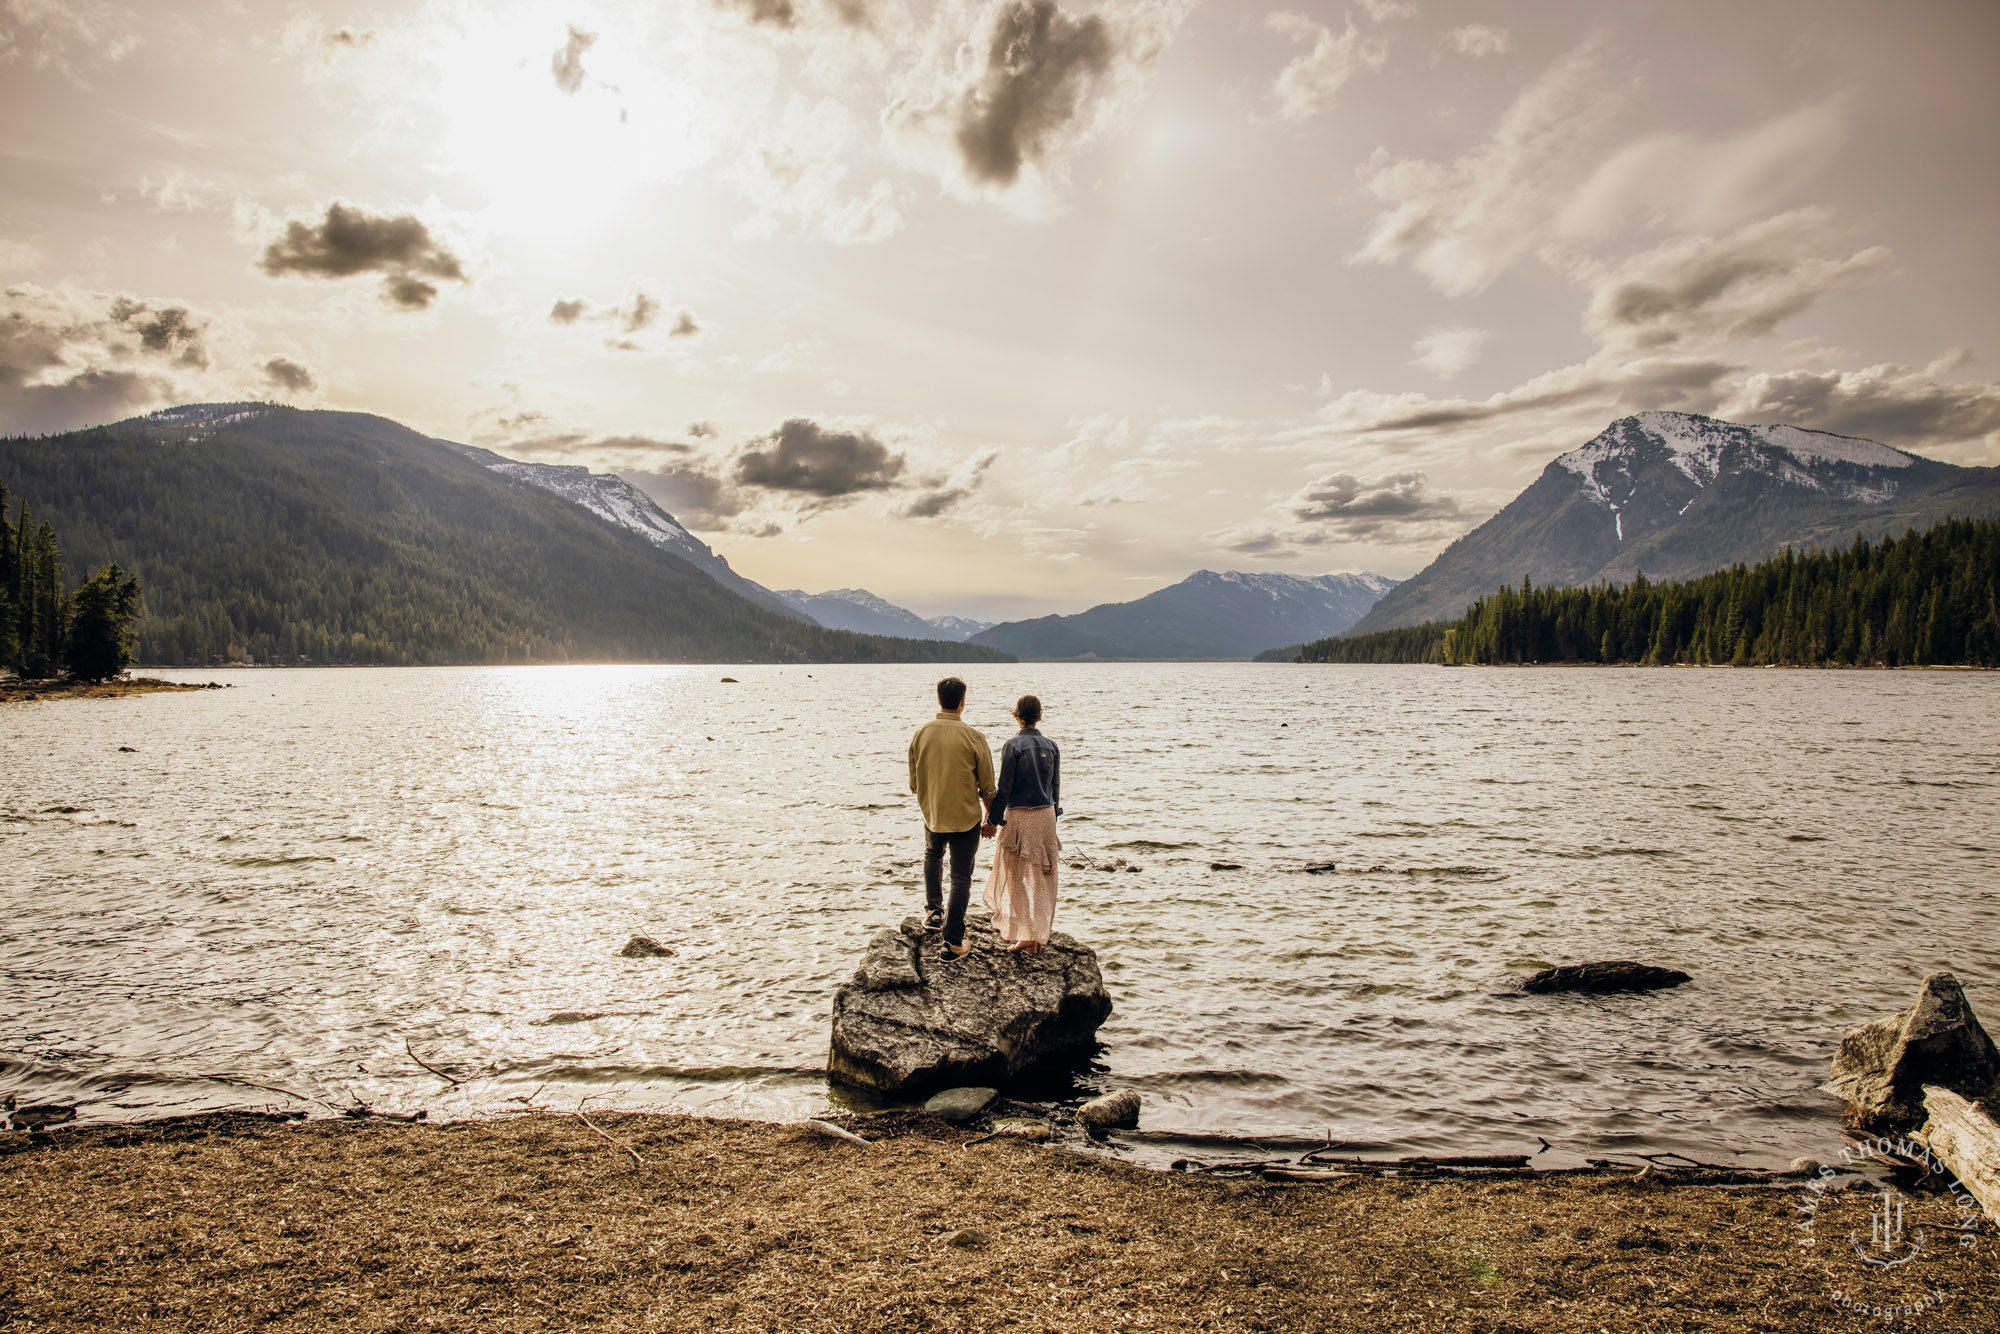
{"x": 281, "y": 535}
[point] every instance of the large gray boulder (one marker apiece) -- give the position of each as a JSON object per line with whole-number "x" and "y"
{"x": 1881, "y": 1068}
{"x": 910, "y": 1023}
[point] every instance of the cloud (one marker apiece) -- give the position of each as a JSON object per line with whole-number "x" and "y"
{"x": 693, "y": 494}
{"x": 1898, "y": 405}
{"x": 946, "y": 496}
{"x": 1400, "y": 509}
{"x": 1680, "y": 181}
{"x": 1033, "y": 84}
{"x": 290, "y": 376}
{"x": 701, "y": 430}
{"x": 1446, "y": 352}
{"x": 72, "y": 357}
{"x": 1464, "y": 222}
{"x": 1381, "y": 11}
{"x": 567, "y": 63}
{"x": 625, "y": 322}
{"x": 803, "y": 457}
{"x": 769, "y": 13}
{"x": 349, "y": 242}
{"x": 794, "y": 166}
{"x": 1308, "y": 84}
{"x": 1722, "y": 289}
{"x": 1479, "y": 39}
{"x": 70, "y": 37}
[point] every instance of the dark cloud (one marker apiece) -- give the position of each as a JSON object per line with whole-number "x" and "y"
{"x": 290, "y": 376}
{"x": 639, "y": 314}
{"x": 1897, "y": 405}
{"x": 170, "y": 331}
{"x": 695, "y": 496}
{"x": 1039, "y": 64}
{"x": 349, "y": 242}
{"x": 804, "y": 457}
{"x": 684, "y": 325}
{"x": 771, "y": 13}
{"x": 1739, "y": 286}
{"x": 568, "y": 312}
{"x": 67, "y": 358}
{"x": 930, "y": 504}
{"x": 349, "y": 37}
{"x": 567, "y": 64}
{"x": 1345, "y": 507}
{"x": 701, "y": 430}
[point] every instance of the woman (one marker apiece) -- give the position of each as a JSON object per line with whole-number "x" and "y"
{"x": 1021, "y": 892}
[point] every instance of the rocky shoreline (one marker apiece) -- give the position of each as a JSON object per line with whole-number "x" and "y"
{"x": 14, "y": 690}
{"x": 637, "y": 1222}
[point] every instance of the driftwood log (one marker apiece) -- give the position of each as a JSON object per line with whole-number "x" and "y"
{"x": 1963, "y": 1135}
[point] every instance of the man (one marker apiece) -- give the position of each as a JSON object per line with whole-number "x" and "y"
{"x": 951, "y": 771}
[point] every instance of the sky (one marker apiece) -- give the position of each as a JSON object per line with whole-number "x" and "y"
{"x": 1014, "y": 306}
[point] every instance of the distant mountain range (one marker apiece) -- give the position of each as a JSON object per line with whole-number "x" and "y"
{"x": 270, "y": 534}
{"x": 860, "y": 610}
{"x": 1676, "y": 495}
{"x": 1206, "y": 615}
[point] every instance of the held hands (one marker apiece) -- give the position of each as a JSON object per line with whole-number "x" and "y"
{"x": 988, "y": 830}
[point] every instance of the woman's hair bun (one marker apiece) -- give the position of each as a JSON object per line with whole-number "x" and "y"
{"x": 1028, "y": 709}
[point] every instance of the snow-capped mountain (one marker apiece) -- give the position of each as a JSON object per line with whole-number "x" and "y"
{"x": 616, "y": 500}
{"x": 1206, "y": 615}
{"x": 1674, "y": 495}
{"x": 859, "y": 609}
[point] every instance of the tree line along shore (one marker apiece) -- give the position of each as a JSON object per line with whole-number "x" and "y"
{"x": 1929, "y": 599}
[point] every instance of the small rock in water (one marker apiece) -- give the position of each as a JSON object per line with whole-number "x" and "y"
{"x": 645, "y": 947}
{"x": 1113, "y": 1111}
{"x": 964, "y": 1237}
{"x": 1881, "y": 1068}
{"x": 1225, "y": 866}
{"x": 961, "y": 1104}
{"x": 730, "y": 681}
{"x": 1603, "y": 976}
{"x": 128, "y": 750}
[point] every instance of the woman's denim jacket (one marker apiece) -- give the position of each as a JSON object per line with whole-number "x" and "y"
{"x": 1030, "y": 775}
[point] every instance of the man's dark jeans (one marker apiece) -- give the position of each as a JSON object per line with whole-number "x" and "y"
{"x": 963, "y": 846}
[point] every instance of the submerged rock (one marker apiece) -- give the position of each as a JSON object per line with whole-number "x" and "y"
{"x": 1881, "y": 1068}
{"x": 960, "y": 1105}
{"x": 981, "y": 1019}
{"x": 645, "y": 947}
{"x": 1113, "y": 1111}
{"x": 1606, "y": 975}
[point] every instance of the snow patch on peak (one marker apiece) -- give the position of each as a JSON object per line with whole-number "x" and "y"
{"x": 1826, "y": 447}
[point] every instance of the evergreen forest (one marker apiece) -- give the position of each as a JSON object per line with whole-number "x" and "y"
{"x": 45, "y": 632}
{"x": 1921, "y": 600}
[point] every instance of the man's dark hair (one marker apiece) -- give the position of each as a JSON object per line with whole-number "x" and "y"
{"x": 951, "y": 693}
{"x": 1029, "y": 710}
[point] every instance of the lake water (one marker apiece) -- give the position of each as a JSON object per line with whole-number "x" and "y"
{"x": 285, "y": 881}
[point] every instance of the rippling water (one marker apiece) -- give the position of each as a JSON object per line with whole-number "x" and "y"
{"x": 285, "y": 881}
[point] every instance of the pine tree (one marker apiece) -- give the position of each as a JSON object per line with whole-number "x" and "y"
{"x": 100, "y": 628}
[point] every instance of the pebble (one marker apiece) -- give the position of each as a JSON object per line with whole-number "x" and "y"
{"x": 960, "y": 1104}
{"x": 964, "y": 1237}
{"x": 645, "y": 947}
